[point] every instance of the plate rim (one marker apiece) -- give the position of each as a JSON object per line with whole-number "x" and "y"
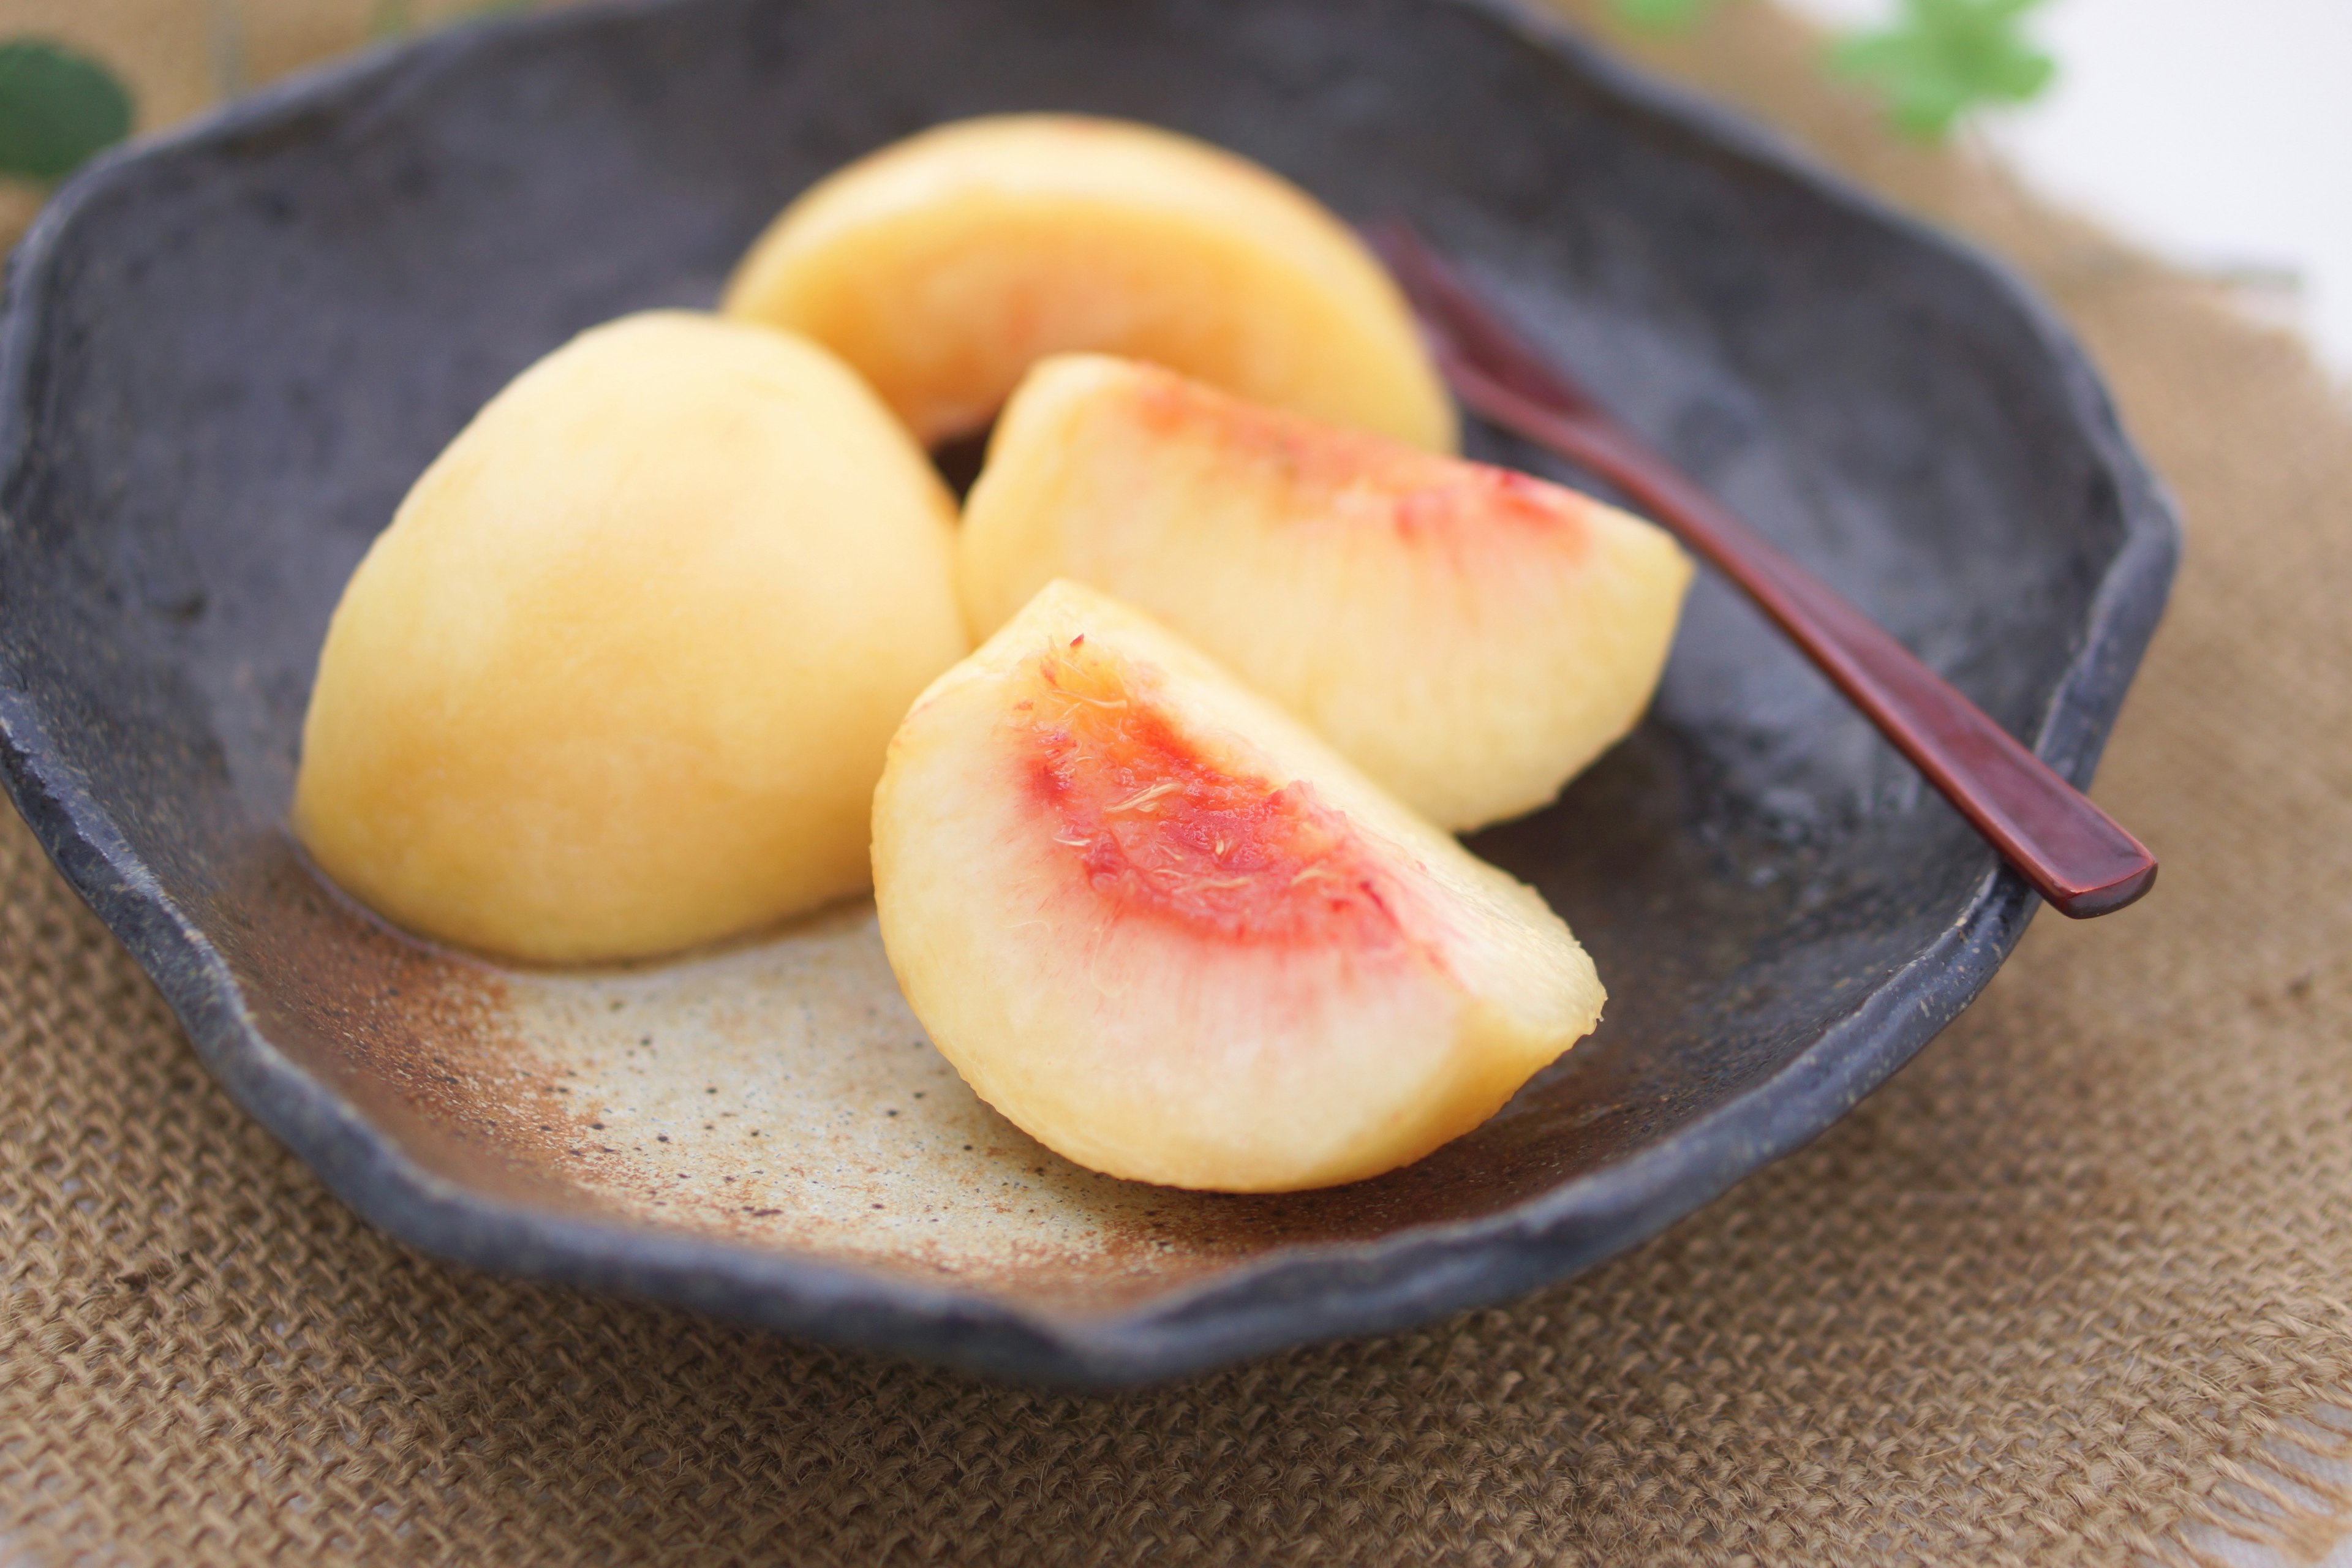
{"x": 1289, "y": 1295}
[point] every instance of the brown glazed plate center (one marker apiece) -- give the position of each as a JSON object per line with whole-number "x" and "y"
{"x": 227, "y": 353}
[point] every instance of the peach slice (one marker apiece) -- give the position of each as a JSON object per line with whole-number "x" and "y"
{"x": 943, "y": 266}
{"x": 1176, "y": 938}
{"x": 1469, "y": 637}
{"x": 620, "y": 676}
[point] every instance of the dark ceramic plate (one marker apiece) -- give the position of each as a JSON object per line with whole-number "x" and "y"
{"x": 227, "y": 354}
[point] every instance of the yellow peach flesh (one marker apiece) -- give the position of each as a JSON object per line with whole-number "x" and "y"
{"x": 619, "y": 676}
{"x": 1469, "y": 637}
{"x": 944, "y": 266}
{"x": 1172, "y": 936}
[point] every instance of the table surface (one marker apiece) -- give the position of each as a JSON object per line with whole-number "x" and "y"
{"x": 2219, "y": 136}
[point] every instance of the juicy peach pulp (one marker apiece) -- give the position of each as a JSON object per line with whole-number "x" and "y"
{"x": 1161, "y": 833}
{"x": 942, "y": 267}
{"x": 1172, "y": 936}
{"x": 619, "y": 676}
{"x": 1470, "y": 637}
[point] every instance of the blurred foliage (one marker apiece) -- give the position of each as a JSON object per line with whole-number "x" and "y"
{"x": 392, "y": 18}
{"x": 397, "y": 18}
{"x": 1663, "y": 13}
{"x": 1944, "y": 58}
{"x": 1932, "y": 62}
{"x": 1936, "y": 61}
{"x": 56, "y": 108}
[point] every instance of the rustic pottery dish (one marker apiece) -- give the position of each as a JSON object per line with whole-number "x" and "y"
{"x": 228, "y": 353}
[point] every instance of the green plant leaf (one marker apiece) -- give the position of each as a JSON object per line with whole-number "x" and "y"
{"x": 397, "y": 18}
{"x": 1662, "y": 14}
{"x": 56, "y": 108}
{"x": 392, "y": 19}
{"x": 1944, "y": 58}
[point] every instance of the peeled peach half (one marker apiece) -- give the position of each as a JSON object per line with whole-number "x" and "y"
{"x": 942, "y": 267}
{"x": 1469, "y": 637}
{"x": 1176, "y": 938}
{"x": 620, "y": 676}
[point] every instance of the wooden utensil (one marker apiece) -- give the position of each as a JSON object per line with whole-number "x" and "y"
{"x": 2079, "y": 860}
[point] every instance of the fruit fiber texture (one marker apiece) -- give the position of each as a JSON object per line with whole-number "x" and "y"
{"x": 619, "y": 676}
{"x": 943, "y": 266}
{"x": 1174, "y": 937}
{"x": 1469, "y": 637}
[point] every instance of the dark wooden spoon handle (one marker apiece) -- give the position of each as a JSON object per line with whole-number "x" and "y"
{"x": 2079, "y": 858}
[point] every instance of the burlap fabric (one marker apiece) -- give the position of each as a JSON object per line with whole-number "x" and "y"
{"x": 2056, "y": 1294}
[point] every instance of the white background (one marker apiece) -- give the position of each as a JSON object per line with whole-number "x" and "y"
{"x": 2216, "y": 132}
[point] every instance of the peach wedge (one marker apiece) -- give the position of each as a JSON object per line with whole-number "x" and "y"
{"x": 620, "y": 676}
{"x": 1469, "y": 637}
{"x": 1175, "y": 938}
{"x": 943, "y": 266}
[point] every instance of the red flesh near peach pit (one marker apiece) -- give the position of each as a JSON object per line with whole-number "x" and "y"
{"x": 1160, "y": 831}
{"x": 1364, "y": 477}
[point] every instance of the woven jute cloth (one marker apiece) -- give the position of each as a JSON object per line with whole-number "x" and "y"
{"x": 2073, "y": 1287}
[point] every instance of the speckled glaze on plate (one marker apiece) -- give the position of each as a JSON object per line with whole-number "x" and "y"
{"x": 227, "y": 353}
